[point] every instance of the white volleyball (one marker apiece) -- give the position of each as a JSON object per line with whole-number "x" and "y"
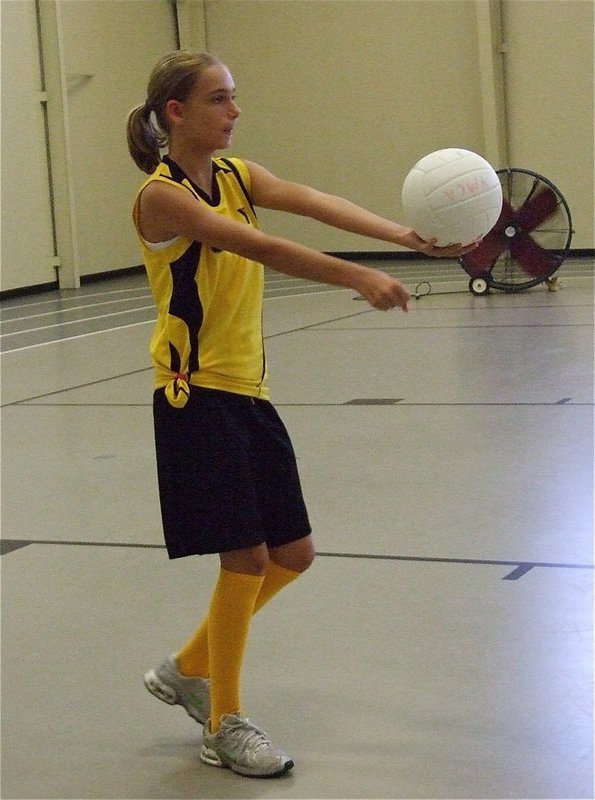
{"x": 452, "y": 195}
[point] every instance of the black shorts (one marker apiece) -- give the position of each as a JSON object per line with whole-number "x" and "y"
{"x": 227, "y": 474}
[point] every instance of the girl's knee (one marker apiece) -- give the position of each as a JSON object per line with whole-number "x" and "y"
{"x": 251, "y": 560}
{"x": 296, "y": 556}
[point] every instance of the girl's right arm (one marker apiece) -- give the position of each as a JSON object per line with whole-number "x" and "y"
{"x": 167, "y": 211}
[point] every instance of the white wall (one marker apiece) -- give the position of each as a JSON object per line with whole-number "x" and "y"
{"x": 549, "y": 87}
{"x": 27, "y": 239}
{"x": 116, "y": 43}
{"x": 342, "y": 94}
{"x": 97, "y": 57}
{"x": 349, "y": 95}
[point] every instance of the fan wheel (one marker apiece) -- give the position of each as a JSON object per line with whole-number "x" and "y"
{"x": 529, "y": 241}
{"x": 479, "y": 286}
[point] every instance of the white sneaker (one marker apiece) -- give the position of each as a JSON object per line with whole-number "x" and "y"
{"x": 193, "y": 694}
{"x": 242, "y": 747}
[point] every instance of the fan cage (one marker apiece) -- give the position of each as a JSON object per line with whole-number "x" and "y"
{"x": 554, "y": 235}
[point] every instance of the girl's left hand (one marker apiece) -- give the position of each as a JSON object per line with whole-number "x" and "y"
{"x": 415, "y": 242}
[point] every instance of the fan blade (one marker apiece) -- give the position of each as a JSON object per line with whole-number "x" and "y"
{"x": 536, "y": 209}
{"x": 480, "y": 261}
{"x": 507, "y": 215}
{"x": 533, "y": 259}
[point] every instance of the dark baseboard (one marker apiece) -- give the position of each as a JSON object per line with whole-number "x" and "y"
{"x": 97, "y": 277}
{"x": 29, "y": 291}
{"x": 370, "y": 255}
{"x": 408, "y": 255}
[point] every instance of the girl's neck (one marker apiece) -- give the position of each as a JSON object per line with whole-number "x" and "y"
{"x": 198, "y": 167}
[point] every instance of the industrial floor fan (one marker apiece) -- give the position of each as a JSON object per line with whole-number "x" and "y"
{"x": 529, "y": 241}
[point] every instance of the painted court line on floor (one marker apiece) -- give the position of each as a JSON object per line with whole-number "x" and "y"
{"x": 521, "y": 567}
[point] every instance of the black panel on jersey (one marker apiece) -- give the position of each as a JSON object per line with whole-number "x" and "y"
{"x": 185, "y": 301}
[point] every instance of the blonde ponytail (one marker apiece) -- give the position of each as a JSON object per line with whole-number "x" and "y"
{"x": 144, "y": 142}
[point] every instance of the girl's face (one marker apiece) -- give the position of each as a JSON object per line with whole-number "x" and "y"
{"x": 207, "y": 119}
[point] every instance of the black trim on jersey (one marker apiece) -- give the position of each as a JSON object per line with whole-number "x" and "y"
{"x": 264, "y": 354}
{"x": 179, "y": 176}
{"x": 175, "y": 360}
{"x": 236, "y": 172}
{"x": 177, "y": 172}
{"x": 185, "y": 302}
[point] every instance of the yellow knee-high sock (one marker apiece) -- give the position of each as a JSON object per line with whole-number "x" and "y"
{"x": 276, "y": 578}
{"x": 193, "y": 658}
{"x": 230, "y": 614}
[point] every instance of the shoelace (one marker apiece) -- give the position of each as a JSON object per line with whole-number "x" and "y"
{"x": 248, "y": 735}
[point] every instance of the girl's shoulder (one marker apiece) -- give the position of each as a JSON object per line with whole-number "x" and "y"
{"x": 236, "y": 166}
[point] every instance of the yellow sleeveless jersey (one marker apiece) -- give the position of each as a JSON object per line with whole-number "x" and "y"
{"x": 209, "y": 302}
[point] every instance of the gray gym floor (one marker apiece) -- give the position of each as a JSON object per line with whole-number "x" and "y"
{"x": 441, "y": 644}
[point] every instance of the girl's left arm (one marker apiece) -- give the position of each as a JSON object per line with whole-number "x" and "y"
{"x": 268, "y": 191}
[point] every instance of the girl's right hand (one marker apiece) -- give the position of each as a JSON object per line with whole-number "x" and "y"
{"x": 381, "y": 291}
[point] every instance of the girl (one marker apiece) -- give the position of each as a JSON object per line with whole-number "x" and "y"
{"x": 228, "y": 481}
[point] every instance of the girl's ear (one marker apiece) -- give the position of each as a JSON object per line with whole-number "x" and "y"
{"x": 174, "y": 110}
